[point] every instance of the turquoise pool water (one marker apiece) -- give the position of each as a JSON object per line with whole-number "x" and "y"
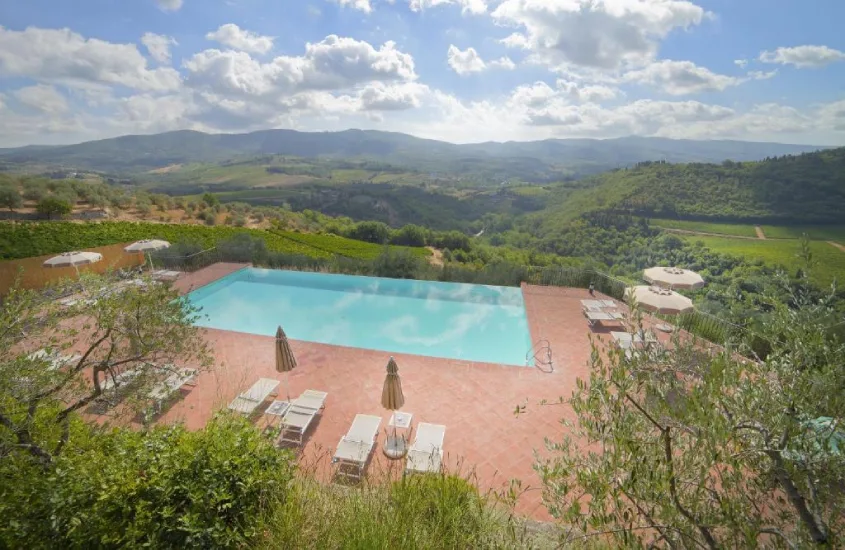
{"x": 448, "y": 320}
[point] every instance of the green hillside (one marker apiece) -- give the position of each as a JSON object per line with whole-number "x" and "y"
{"x": 801, "y": 190}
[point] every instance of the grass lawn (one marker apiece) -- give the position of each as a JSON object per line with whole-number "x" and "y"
{"x": 814, "y": 232}
{"x": 831, "y": 262}
{"x": 739, "y": 230}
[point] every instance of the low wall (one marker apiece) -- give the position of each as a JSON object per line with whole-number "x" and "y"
{"x": 34, "y": 275}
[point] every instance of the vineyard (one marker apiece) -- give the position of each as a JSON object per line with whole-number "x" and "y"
{"x": 35, "y": 239}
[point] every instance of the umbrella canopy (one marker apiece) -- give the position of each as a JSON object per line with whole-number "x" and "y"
{"x": 658, "y": 300}
{"x": 285, "y": 361}
{"x": 674, "y": 277}
{"x": 73, "y": 259}
{"x": 392, "y": 398}
{"x": 147, "y": 245}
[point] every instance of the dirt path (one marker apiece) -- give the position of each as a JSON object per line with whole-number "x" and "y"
{"x": 688, "y": 232}
{"x": 837, "y": 245}
{"x": 436, "y": 258}
{"x": 759, "y": 231}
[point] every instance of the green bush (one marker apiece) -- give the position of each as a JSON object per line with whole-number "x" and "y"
{"x": 167, "y": 488}
{"x": 53, "y": 207}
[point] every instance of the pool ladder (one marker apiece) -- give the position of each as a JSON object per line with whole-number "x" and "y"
{"x": 541, "y": 352}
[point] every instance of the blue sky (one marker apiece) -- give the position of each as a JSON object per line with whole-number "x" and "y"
{"x": 458, "y": 70}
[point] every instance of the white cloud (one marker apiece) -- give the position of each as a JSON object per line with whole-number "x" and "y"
{"x": 362, "y": 5}
{"x": 598, "y": 34}
{"x": 741, "y": 63}
{"x": 63, "y": 56}
{"x": 43, "y": 98}
{"x": 158, "y": 46}
{"x": 680, "y": 78}
{"x": 803, "y": 56}
{"x": 234, "y": 37}
{"x": 475, "y": 7}
{"x": 332, "y": 64}
{"x": 762, "y": 75}
{"x": 169, "y": 5}
{"x": 505, "y": 63}
{"x": 398, "y": 97}
{"x": 468, "y": 61}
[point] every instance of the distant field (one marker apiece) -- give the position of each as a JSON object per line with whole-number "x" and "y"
{"x": 739, "y": 230}
{"x": 831, "y": 262}
{"x": 814, "y": 232}
{"x": 529, "y": 191}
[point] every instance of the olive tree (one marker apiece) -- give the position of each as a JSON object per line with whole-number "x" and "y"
{"x": 686, "y": 449}
{"x": 123, "y": 340}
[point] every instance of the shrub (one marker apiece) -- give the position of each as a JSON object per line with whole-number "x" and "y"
{"x": 10, "y": 198}
{"x": 371, "y": 232}
{"x": 167, "y": 488}
{"x": 410, "y": 235}
{"x": 53, "y": 207}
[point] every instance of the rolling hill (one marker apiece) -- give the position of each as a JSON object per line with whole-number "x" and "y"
{"x": 542, "y": 161}
{"x": 790, "y": 190}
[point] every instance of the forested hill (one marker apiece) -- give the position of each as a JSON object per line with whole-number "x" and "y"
{"x": 808, "y": 188}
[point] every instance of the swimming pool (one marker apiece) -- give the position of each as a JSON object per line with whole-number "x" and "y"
{"x": 448, "y": 320}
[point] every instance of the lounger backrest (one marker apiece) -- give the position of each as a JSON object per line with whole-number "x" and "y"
{"x": 260, "y": 389}
{"x": 364, "y": 428}
{"x": 429, "y": 437}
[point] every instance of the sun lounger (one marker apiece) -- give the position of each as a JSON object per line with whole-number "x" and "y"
{"x": 119, "y": 380}
{"x": 598, "y": 304}
{"x": 165, "y": 275}
{"x": 302, "y": 411}
{"x": 170, "y": 385}
{"x": 54, "y": 360}
{"x": 594, "y": 317}
{"x": 426, "y": 453}
{"x": 248, "y": 401}
{"x": 355, "y": 448}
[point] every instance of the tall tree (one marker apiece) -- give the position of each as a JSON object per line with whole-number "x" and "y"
{"x": 685, "y": 449}
{"x": 127, "y": 340}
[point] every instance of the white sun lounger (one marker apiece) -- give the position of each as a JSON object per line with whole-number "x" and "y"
{"x": 594, "y": 317}
{"x": 165, "y": 275}
{"x": 248, "y": 401}
{"x": 599, "y": 304}
{"x": 426, "y": 453}
{"x": 170, "y": 385}
{"x": 354, "y": 449}
{"x": 120, "y": 379}
{"x": 302, "y": 411}
{"x": 54, "y": 359}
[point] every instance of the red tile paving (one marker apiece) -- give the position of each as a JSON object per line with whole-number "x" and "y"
{"x": 475, "y": 401}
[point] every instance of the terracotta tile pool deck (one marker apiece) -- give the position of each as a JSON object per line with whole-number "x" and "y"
{"x": 475, "y": 401}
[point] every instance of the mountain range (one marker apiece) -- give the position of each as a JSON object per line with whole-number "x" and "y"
{"x": 547, "y": 160}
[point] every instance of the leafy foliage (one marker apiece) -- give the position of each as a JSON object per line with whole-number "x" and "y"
{"x": 702, "y": 450}
{"x": 166, "y": 488}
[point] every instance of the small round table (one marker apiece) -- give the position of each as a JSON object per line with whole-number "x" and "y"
{"x": 396, "y": 445}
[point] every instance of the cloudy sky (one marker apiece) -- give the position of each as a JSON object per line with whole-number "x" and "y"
{"x": 457, "y": 70}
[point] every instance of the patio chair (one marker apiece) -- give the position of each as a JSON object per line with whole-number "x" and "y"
{"x": 426, "y": 452}
{"x": 170, "y": 385}
{"x": 248, "y": 401}
{"x": 355, "y": 448}
{"x": 302, "y": 411}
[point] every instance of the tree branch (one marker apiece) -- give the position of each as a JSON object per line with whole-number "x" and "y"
{"x": 778, "y": 532}
{"x": 816, "y": 527}
{"x": 673, "y": 491}
{"x": 25, "y": 441}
